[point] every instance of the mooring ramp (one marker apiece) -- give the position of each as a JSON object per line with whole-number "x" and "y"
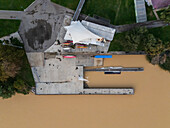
{"x": 78, "y": 10}
{"x": 116, "y": 69}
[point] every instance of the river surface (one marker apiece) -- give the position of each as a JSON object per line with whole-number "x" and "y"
{"x": 148, "y": 108}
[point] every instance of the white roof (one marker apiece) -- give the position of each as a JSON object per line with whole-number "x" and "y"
{"x": 102, "y": 31}
{"x": 78, "y": 33}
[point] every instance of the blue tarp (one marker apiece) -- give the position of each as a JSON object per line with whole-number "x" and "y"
{"x": 103, "y": 56}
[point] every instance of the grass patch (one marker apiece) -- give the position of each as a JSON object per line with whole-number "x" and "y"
{"x": 150, "y": 13}
{"x": 25, "y": 72}
{"x": 161, "y": 33}
{"x": 159, "y": 12}
{"x": 118, "y": 11}
{"x": 8, "y": 26}
{"x": 72, "y": 4}
{"x": 18, "y": 5}
{"x": 117, "y": 41}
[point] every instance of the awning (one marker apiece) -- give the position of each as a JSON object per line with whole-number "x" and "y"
{"x": 78, "y": 33}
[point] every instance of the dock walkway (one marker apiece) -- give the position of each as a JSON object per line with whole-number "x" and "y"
{"x": 115, "y": 69}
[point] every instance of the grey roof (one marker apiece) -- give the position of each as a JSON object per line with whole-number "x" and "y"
{"x": 102, "y": 31}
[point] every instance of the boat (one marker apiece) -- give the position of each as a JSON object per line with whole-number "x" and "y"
{"x": 69, "y": 56}
{"x": 113, "y": 72}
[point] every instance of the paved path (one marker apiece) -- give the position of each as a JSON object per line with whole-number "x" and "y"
{"x": 78, "y": 10}
{"x": 148, "y": 24}
{"x": 126, "y": 27}
{"x": 157, "y": 17}
{"x": 120, "y": 28}
{"x": 140, "y": 11}
{"x": 16, "y": 15}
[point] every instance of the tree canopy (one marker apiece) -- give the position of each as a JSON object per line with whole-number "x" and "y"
{"x": 7, "y": 89}
{"x": 10, "y": 61}
{"x": 140, "y": 39}
{"x": 165, "y": 15}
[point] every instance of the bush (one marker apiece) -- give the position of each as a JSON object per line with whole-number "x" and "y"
{"x": 21, "y": 86}
{"x": 7, "y": 89}
{"x": 15, "y": 42}
{"x": 11, "y": 61}
{"x": 134, "y": 39}
{"x": 165, "y": 15}
{"x": 154, "y": 47}
{"x": 166, "y": 65}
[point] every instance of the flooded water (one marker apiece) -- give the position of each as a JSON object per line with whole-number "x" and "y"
{"x": 148, "y": 108}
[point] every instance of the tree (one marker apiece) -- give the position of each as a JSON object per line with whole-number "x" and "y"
{"x": 10, "y": 61}
{"x": 7, "y": 89}
{"x": 166, "y": 65}
{"x": 15, "y": 42}
{"x": 132, "y": 40}
{"x": 154, "y": 47}
{"x": 165, "y": 15}
{"x": 21, "y": 86}
{"x": 11, "y": 81}
{"x": 136, "y": 39}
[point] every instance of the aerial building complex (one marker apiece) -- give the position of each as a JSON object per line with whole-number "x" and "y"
{"x": 59, "y": 47}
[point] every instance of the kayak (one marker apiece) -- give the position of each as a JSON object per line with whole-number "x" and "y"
{"x": 69, "y": 56}
{"x": 82, "y": 47}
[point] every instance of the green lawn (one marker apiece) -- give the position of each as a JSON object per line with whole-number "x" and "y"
{"x": 8, "y": 26}
{"x": 159, "y": 12}
{"x": 162, "y": 33}
{"x": 14, "y": 4}
{"x": 72, "y": 4}
{"x": 118, "y": 11}
{"x": 117, "y": 41}
{"x": 25, "y": 72}
{"x": 150, "y": 13}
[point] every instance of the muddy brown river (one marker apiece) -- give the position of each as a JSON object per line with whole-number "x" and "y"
{"x": 148, "y": 108}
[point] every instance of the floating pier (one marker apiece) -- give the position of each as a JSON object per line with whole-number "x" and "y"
{"x": 115, "y": 69}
